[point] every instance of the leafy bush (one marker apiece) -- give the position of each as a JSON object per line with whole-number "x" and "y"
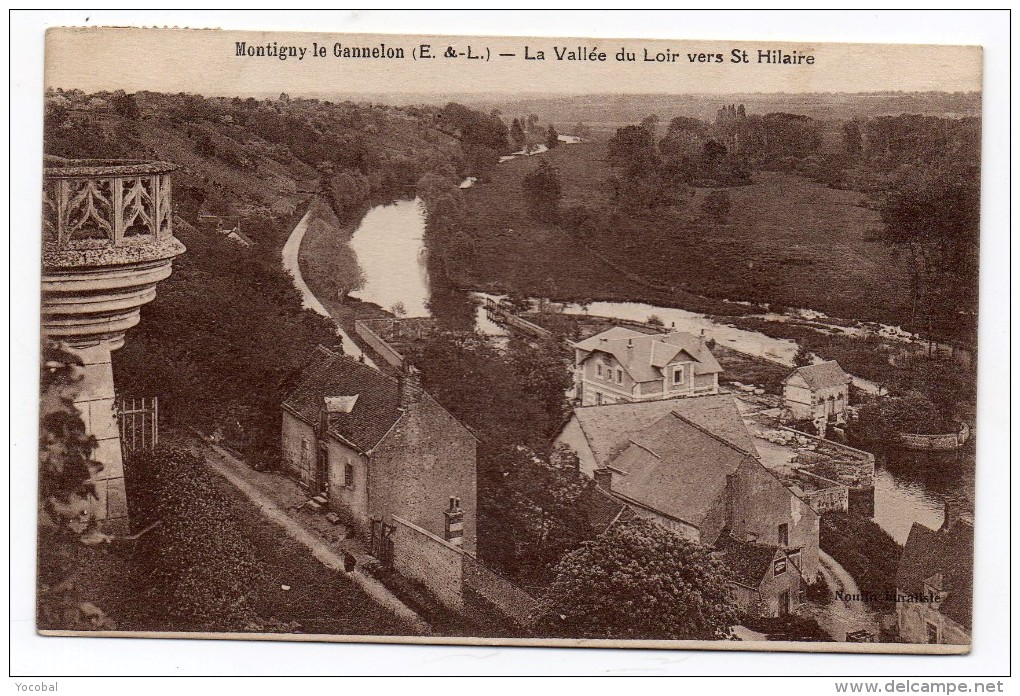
{"x": 67, "y": 597}
{"x": 865, "y": 550}
{"x": 543, "y": 191}
{"x": 196, "y": 571}
{"x": 880, "y": 421}
{"x": 639, "y": 581}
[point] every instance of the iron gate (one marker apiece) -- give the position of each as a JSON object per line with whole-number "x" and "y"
{"x": 139, "y": 423}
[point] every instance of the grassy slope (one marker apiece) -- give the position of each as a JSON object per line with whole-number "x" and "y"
{"x": 788, "y": 240}
{"x": 321, "y": 601}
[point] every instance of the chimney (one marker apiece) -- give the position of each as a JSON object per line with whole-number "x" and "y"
{"x": 454, "y": 522}
{"x": 409, "y": 389}
{"x": 604, "y": 479}
{"x": 701, "y": 338}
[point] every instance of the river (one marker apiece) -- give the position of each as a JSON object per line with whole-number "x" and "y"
{"x": 391, "y": 252}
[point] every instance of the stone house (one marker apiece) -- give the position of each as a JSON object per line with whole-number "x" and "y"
{"x": 376, "y": 447}
{"x": 690, "y": 465}
{"x": 934, "y": 582}
{"x": 624, "y": 365}
{"x": 817, "y": 392}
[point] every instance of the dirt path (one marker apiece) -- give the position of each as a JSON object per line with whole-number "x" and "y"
{"x": 840, "y": 617}
{"x": 239, "y": 475}
{"x": 291, "y": 252}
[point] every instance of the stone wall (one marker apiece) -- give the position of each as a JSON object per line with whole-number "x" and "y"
{"x": 376, "y": 342}
{"x": 826, "y": 496}
{"x": 933, "y": 443}
{"x": 426, "y": 558}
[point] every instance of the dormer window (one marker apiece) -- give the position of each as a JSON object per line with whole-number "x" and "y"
{"x": 678, "y": 375}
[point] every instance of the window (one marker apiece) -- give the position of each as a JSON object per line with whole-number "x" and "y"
{"x": 678, "y": 375}
{"x": 933, "y": 632}
{"x": 598, "y": 398}
{"x": 349, "y": 475}
{"x": 784, "y": 534}
{"x": 619, "y": 376}
{"x": 598, "y": 369}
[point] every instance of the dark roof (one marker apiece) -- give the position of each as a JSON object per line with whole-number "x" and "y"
{"x": 748, "y": 561}
{"x": 328, "y": 374}
{"x": 822, "y": 375}
{"x": 644, "y": 355}
{"x": 677, "y": 468}
{"x": 603, "y": 509}
{"x": 608, "y": 428}
{"x": 949, "y": 552}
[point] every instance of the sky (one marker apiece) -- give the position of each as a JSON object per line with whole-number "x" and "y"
{"x": 204, "y": 61}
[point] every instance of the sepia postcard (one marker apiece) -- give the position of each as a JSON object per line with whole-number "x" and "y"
{"x": 509, "y": 341}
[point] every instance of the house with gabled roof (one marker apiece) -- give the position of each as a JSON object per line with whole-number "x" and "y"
{"x": 690, "y": 465}
{"x": 935, "y": 582}
{"x": 374, "y": 447}
{"x": 819, "y": 391}
{"x": 625, "y": 365}
{"x": 598, "y": 434}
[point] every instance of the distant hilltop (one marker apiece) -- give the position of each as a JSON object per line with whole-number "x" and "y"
{"x": 623, "y": 109}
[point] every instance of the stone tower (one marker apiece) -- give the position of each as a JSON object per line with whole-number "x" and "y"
{"x": 107, "y": 242}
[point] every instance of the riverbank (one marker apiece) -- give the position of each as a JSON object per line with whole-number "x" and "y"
{"x": 322, "y": 247}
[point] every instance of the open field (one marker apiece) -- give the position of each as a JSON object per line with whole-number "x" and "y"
{"x": 787, "y": 241}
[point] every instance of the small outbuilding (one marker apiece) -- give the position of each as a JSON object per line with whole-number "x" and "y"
{"x": 816, "y": 392}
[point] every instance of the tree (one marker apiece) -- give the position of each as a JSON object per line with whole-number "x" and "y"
{"x": 67, "y": 494}
{"x": 512, "y": 396}
{"x": 650, "y": 123}
{"x": 803, "y": 357}
{"x": 532, "y": 510}
{"x": 934, "y": 216}
{"x": 853, "y": 141}
{"x": 713, "y": 151}
{"x": 542, "y": 191}
{"x": 552, "y": 138}
{"x": 880, "y": 421}
{"x": 632, "y": 147}
{"x": 716, "y": 206}
{"x": 639, "y": 581}
{"x": 476, "y": 127}
{"x": 517, "y": 134}
{"x": 125, "y": 105}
